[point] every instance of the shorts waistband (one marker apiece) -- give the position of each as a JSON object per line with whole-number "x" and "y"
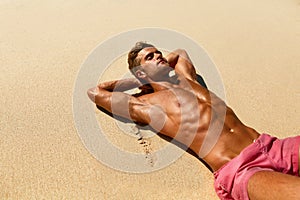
{"x": 258, "y": 143}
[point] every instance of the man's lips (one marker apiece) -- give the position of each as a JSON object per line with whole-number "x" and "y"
{"x": 162, "y": 61}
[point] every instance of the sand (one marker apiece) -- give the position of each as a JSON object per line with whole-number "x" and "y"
{"x": 254, "y": 44}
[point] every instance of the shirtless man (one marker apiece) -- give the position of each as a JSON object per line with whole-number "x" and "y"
{"x": 245, "y": 164}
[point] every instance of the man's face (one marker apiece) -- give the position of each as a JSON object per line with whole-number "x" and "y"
{"x": 153, "y": 63}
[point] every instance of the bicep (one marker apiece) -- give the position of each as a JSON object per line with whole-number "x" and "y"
{"x": 121, "y": 104}
{"x": 100, "y": 97}
{"x": 186, "y": 69}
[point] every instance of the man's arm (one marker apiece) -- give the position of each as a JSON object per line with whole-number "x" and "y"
{"x": 110, "y": 96}
{"x": 120, "y": 85}
{"x": 180, "y": 61}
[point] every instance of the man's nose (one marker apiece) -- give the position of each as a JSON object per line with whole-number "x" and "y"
{"x": 157, "y": 56}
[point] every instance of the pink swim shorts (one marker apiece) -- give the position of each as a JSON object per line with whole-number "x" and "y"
{"x": 266, "y": 153}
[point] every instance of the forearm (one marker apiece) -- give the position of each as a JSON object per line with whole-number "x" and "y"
{"x": 177, "y": 55}
{"x": 172, "y": 58}
{"x": 120, "y": 85}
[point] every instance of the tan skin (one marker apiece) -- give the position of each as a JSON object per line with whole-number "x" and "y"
{"x": 185, "y": 109}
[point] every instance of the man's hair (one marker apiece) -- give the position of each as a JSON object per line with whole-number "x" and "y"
{"x": 133, "y": 60}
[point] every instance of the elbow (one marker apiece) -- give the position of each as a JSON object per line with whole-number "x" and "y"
{"x": 181, "y": 52}
{"x": 92, "y": 93}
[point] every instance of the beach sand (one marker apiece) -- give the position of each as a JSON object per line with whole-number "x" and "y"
{"x": 254, "y": 44}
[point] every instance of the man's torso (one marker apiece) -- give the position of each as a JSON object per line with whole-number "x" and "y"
{"x": 192, "y": 112}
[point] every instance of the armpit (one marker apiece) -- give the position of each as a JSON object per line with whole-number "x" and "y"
{"x": 157, "y": 117}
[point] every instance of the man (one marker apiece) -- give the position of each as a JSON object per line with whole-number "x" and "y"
{"x": 246, "y": 164}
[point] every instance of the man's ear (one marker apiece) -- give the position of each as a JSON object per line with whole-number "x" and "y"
{"x": 140, "y": 74}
